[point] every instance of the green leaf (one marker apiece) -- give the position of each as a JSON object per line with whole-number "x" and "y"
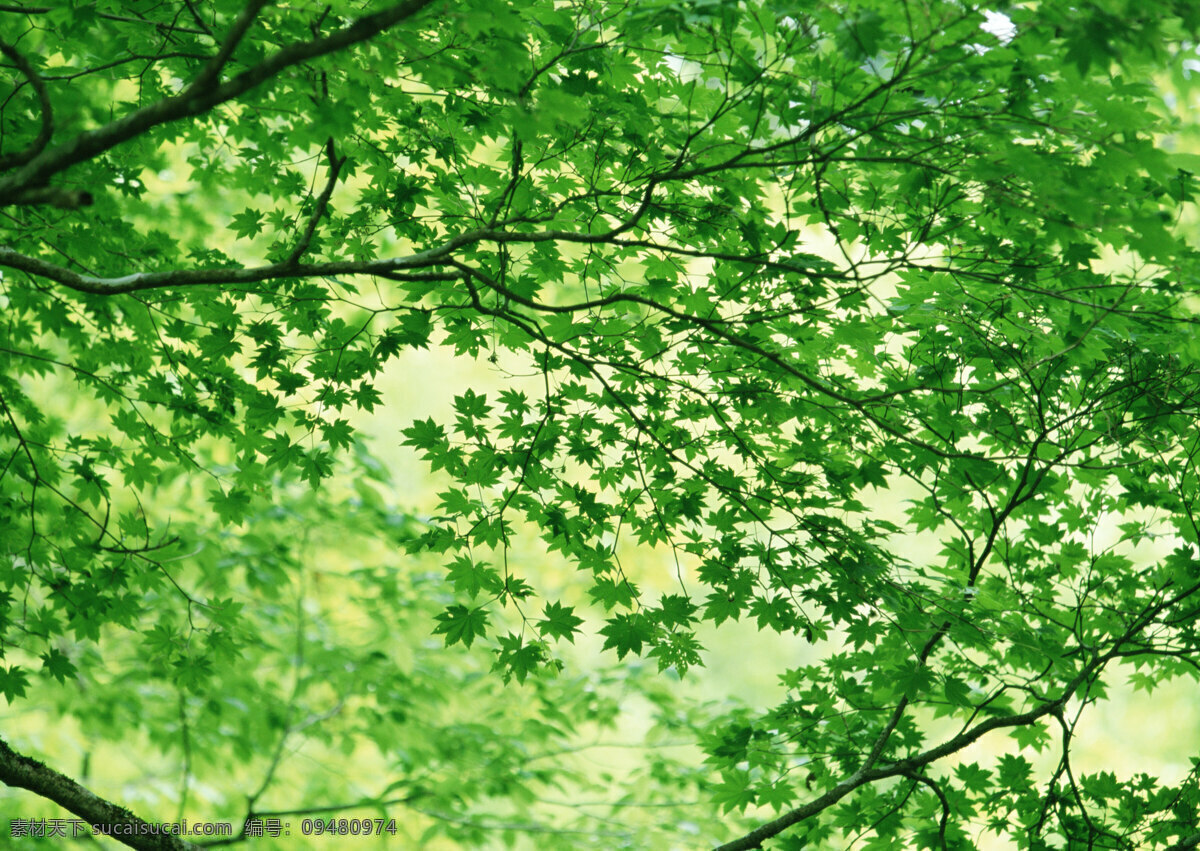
{"x": 559, "y": 622}
{"x": 247, "y": 223}
{"x": 470, "y": 578}
{"x": 627, "y": 634}
{"x": 230, "y": 506}
{"x": 458, "y": 623}
{"x": 515, "y": 658}
{"x": 13, "y": 682}
{"x": 57, "y": 664}
{"x": 958, "y": 693}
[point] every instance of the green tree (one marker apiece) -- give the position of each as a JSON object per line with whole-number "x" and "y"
{"x": 773, "y": 265}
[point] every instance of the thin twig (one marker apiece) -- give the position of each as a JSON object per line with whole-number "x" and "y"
{"x": 335, "y": 167}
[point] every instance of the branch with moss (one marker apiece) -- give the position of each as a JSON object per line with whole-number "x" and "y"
{"x": 24, "y": 772}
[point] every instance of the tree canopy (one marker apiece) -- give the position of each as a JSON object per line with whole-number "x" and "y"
{"x": 873, "y": 323}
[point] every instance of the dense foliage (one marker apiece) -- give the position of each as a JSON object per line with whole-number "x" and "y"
{"x": 876, "y": 318}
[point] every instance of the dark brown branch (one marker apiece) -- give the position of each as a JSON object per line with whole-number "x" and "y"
{"x": 941, "y": 796}
{"x": 108, "y": 16}
{"x": 199, "y": 20}
{"x": 21, "y": 772}
{"x": 904, "y": 768}
{"x": 396, "y": 268}
{"x": 912, "y": 764}
{"x": 31, "y": 74}
{"x": 211, "y": 72}
{"x": 194, "y": 101}
{"x": 50, "y": 196}
{"x": 335, "y": 166}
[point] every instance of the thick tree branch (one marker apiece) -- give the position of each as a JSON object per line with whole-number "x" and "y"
{"x": 50, "y": 196}
{"x": 22, "y": 772}
{"x": 212, "y": 71}
{"x": 913, "y": 764}
{"x": 47, "y": 126}
{"x": 907, "y": 767}
{"x": 193, "y": 100}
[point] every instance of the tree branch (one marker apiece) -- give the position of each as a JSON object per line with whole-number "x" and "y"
{"x": 22, "y": 772}
{"x": 212, "y": 70}
{"x": 903, "y": 768}
{"x": 393, "y": 268}
{"x": 912, "y": 764}
{"x": 51, "y": 196}
{"x": 108, "y": 16}
{"x": 335, "y": 166}
{"x": 196, "y": 100}
{"x": 39, "y": 87}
